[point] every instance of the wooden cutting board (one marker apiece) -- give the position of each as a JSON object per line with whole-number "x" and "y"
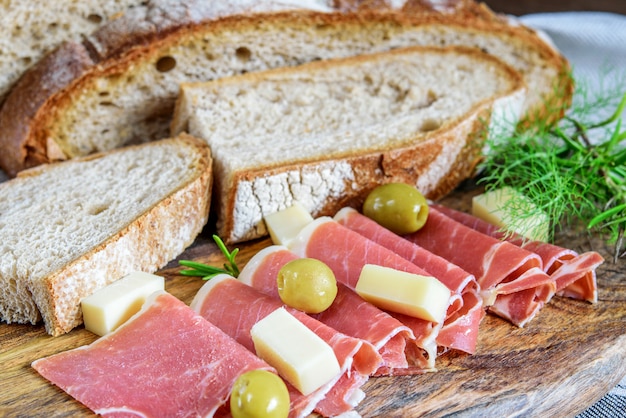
{"x": 567, "y": 358}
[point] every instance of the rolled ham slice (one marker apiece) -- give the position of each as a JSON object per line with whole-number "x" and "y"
{"x": 573, "y": 273}
{"x": 460, "y": 329}
{"x": 346, "y": 252}
{"x": 501, "y": 268}
{"x": 348, "y": 314}
{"x": 235, "y": 307}
{"x": 164, "y": 361}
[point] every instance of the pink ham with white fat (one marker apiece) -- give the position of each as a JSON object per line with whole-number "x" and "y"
{"x": 365, "y": 321}
{"x": 164, "y": 361}
{"x": 508, "y": 273}
{"x": 460, "y": 329}
{"x": 346, "y": 252}
{"x": 235, "y": 307}
{"x": 573, "y": 273}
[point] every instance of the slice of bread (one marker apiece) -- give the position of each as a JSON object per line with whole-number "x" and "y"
{"x": 325, "y": 133}
{"x": 70, "y": 228}
{"x": 29, "y": 29}
{"x": 120, "y": 85}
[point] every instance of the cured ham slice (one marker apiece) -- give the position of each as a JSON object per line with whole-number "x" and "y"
{"x": 573, "y": 273}
{"x": 501, "y": 268}
{"x": 460, "y": 329}
{"x": 346, "y": 252}
{"x": 364, "y": 321}
{"x": 235, "y": 307}
{"x": 164, "y": 361}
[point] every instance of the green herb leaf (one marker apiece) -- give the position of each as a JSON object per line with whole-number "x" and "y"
{"x": 574, "y": 171}
{"x": 208, "y": 272}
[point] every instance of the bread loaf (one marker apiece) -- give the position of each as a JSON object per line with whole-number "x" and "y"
{"x": 31, "y": 28}
{"x": 326, "y": 133}
{"x": 119, "y": 86}
{"x": 70, "y": 228}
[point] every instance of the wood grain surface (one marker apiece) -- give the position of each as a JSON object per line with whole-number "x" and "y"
{"x": 563, "y": 361}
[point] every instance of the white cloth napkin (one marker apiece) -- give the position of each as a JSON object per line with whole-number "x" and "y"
{"x": 595, "y": 44}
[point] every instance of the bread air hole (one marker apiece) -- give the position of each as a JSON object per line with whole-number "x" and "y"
{"x": 243, "y": 54}
{"x": 97, "y": 209}
{"x": 430, "y": 125}
{"x": 165, "y": 64}
{"x": 95, "y": 18}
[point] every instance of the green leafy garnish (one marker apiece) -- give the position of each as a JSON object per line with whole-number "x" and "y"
{"x": 208, "y": 272}
{"x": 574, "y": 171}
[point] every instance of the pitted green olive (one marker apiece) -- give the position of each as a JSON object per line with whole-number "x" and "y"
{"x": 398, "y": 207}
{"x": 259, "y": 394}
{"x": 307, "y": 284}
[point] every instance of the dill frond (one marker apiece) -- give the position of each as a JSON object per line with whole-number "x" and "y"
{"x": 575, "y": 170}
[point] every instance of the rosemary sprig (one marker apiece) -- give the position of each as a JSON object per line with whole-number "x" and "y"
{"x": 208, "y": 272}
{"x": 574, "y": 171}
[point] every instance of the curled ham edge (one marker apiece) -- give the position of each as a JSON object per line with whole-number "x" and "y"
{"x": 97, "y": 384}
{"x": 423, "y": 350}
{"x": 573, "y": 273}
{"x": 386, "y": 333}
{"x": 515, "y": 290}
{"x": 338, "y": 396}
{"x": 465, "y": 313}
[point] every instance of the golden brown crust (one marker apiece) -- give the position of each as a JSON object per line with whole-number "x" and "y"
{"x": 406, "y": 165}
{"x": 35, "y": 90}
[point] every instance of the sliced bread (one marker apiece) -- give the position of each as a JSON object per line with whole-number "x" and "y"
{"x": 120, "y": 85}
{"x": 29, "y": 29}
{"x": 325, "y": 133}
{"x": 70, "y": 228}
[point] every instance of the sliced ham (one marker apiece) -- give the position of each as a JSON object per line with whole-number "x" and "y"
{"x": 460, "y": 329}
{"x": 164, "y": 361}
{"x": 235, "y": 307}
{"x": 346, "y": 252}
{"x": 573, "y": 273}
{"x": 500, "y": 267}
{"x": 349, "y": 313}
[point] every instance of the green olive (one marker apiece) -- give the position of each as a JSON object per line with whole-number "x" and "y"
{"x": 259, "y": 394}
{"x": 398, "y": 207}
{"x": 307, "y": 284}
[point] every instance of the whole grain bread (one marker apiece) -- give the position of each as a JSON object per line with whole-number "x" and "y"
{"x": 70, "y": 228}
{"x": 29, "y": 29}
{"x": 325, "y": 133}
{"x": 119, "y": 86}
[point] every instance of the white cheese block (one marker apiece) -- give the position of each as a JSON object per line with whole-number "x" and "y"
{"x": 284, "y": 225}
{"x": 411, "y": 294}
{"x": 111, "y": 306}
{"x": 297, "y": 353}
{"x": 497, "y": 208}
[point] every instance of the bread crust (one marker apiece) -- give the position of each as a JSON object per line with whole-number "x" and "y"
{"x": 37, "y": 103}
{"x": 147, "y": 244}
{"x": 409, "y": 164}
{"x": 435, "y": 161}
{"x": 35, "y": 93}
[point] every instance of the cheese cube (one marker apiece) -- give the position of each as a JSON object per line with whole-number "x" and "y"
{"x": 284, "y": 225}
{"x": 300, "y": 356}
{"x": 111, "y": 306}
{"x": 410, "y": 294}
{"x": 492, "y": 207}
